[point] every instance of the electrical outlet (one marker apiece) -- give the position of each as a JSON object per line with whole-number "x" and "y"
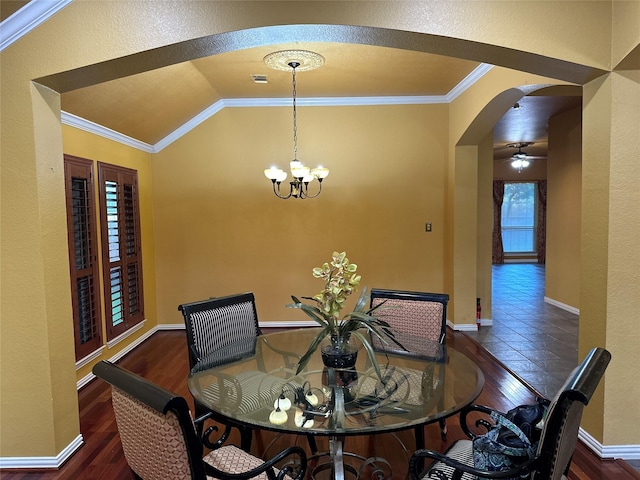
{"x": 427, "y": 227}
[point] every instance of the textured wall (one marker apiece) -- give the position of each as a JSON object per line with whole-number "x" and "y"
{"x": 220, "y": 229}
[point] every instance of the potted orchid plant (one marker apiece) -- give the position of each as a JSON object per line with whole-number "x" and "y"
{"x": 340, "y": 281}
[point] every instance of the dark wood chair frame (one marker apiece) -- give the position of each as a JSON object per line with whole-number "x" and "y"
{"x": 225, "y": 355}
{"x": 558, "y": 437}
{"x": 442, "y": 298}
{"x": 164, "y": 401}
{"x": 188, "y": 309}
{"x": 195, "y": 355}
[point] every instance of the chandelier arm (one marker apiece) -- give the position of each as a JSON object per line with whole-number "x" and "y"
{"x": 277, "y": 191}
{"x": 317, "y": 193}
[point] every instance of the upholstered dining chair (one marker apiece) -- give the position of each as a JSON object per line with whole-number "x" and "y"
{"x": 224, "y": 329}
{"x": 216, "y": 323}
{"x": 421, "y": 316}
{"x": 556, "y": 445}
{"x": 221, "y": 330}
{"x": 160, "y": 441}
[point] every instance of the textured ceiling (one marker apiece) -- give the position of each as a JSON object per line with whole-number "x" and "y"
{"x": 151, "y": 105}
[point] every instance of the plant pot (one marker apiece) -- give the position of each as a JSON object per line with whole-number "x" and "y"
{"x": 339, "y": 359}
{"x": 341, "y": 355}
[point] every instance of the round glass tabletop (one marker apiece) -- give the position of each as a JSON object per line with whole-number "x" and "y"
{"x": 253, "y": 382}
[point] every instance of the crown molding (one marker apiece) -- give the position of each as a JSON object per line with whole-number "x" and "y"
{"x": 37, "y": 11}
{"x": 475, "y": 75}
{"x": 91, "y": 127}
{"x": 78, "y": 122}
{"x": 27, "y": 18}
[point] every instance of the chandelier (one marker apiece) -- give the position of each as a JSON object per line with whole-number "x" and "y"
{"x": 302, "y": 176}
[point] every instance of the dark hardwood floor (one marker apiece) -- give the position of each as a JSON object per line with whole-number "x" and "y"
{"x": 163, "y": 360}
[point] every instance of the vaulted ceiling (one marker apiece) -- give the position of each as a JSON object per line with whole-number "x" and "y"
{"x": 151, "y": 105}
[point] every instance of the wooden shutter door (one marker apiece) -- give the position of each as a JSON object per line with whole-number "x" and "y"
{"x": 83, "y": 256}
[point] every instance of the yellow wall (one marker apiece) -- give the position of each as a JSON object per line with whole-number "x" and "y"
{"x": 564, "y": 208}
{"x": 472, "y": 117}
{"x": 574, "y": 44}
{"x": 36, "y": 337}
{"x": 485, "y": 225}
{"x": 219, "y": 229}
{"x": 610, "y": 280}
{"x": 82, "y": 144}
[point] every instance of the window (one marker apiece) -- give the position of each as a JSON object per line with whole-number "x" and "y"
{"x": 121, "y": 252}
{"x": 83, "y": 256}
{"x": 519, "y": 218}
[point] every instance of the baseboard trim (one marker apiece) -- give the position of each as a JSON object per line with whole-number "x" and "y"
{"x": 469, "y": 327}
{"x": 624, "y": 452}
{"x": 561, "y": 305}
{"x": 171, "y": 326}
{"x": 138, "y": 341}
{"x": 285, "y": 324}
{"x": 43, "y": 462}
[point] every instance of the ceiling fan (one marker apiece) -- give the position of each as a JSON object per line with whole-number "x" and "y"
{"x": 519, "y": 154}
{"x": 519, "y": 159}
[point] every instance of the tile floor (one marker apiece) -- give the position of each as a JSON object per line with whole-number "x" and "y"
{"x": 537, "y": 341}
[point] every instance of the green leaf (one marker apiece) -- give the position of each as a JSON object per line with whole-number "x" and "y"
{"x": 313, "y": 346}
{"x": 311, "y": 311}
{"x": 370, "y": 352}
{"x": 362, "y": 302}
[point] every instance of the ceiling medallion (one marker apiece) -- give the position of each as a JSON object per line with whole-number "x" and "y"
{"x": 305, "y": 59}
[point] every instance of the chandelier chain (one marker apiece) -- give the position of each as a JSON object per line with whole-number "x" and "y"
{"x": 295, "y": 127}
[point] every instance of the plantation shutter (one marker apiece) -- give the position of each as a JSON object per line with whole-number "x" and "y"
{"x": 121, "y": 251}
{"x": 83, "y": 256}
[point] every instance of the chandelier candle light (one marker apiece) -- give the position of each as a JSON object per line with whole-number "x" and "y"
{"x": 302, "y": 175}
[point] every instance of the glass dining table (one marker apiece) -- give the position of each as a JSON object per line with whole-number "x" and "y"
{"x": 253, "y": 383}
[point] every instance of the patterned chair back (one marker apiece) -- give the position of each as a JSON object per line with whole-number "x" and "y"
{"x": 215, "y": 324}
{"x": 155, "y": 426}
{"x": 153, "y": 443}
{"x": 418, "y": 314}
